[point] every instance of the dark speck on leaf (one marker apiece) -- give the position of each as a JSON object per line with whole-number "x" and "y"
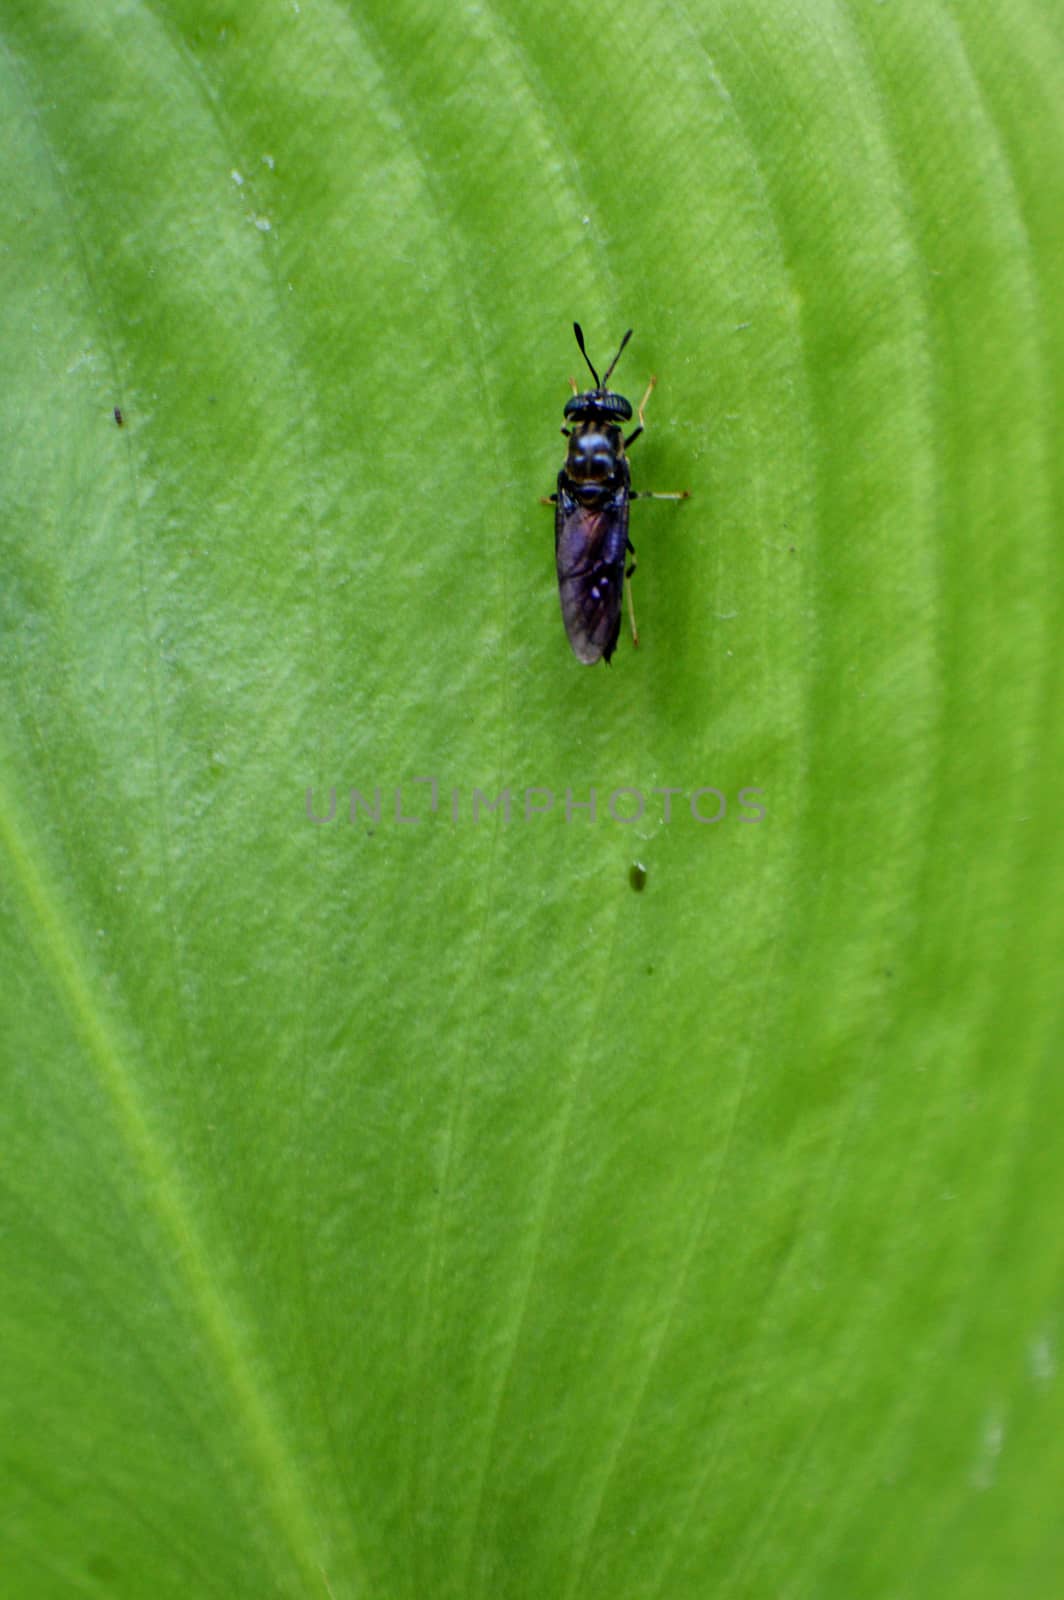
{"x": 637, "y": 876}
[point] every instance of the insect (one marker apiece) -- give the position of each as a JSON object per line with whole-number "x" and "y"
{"x": 119, "y": 418}
{"x": 591, "y": 543}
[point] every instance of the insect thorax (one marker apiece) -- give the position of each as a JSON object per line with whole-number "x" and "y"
{"x": 596, "y": 450}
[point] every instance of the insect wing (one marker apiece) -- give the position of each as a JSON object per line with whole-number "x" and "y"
{"x": 590, "y": 544}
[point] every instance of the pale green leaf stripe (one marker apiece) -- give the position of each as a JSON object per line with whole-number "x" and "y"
{"x": 51, "y": 935}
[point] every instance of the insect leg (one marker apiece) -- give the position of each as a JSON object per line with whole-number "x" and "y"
{"x": 548, "y": 499}
{"x": 634, "y": 435}
{"x": 573, "y": 387}
{"x": 631, "y": 608}
{"x": 648, "y": 494}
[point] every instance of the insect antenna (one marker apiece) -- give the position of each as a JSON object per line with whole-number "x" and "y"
{"x": 616, "y": 358}
{"x": 580, "y": 341}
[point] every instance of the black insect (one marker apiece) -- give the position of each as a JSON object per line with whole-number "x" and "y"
{"x": 591, "y": 541}
{"x": 119, "y": 418}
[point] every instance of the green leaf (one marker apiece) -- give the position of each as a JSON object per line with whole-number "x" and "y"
{"x": 547, "y": 1205}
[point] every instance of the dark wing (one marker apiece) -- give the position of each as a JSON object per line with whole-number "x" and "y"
{"x": 590, "y": 544}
